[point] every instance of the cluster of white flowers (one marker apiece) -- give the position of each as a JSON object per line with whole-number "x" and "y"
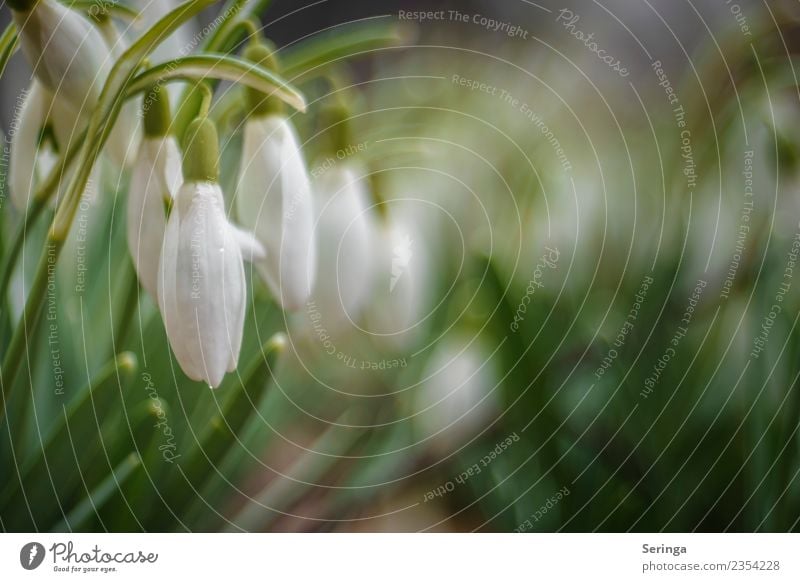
{"x": 186, "y": 250}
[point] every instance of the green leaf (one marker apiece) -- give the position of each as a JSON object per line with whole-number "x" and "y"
{"x": 97, "y": 8}
{"x": 329, "y": 48}
{"x": 222, "y": 67}
{"x": 223, "y": 429}
{"x": 8, "y": 44}
{"x": 49, "y": 477}
{"x": 88, "y": 508}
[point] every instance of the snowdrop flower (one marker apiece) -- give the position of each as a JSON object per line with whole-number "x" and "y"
{"x": 346, "y": 233}
{"x": 68, "y": 54}
{"x": 400, "y": 295}
{"x": 201, "y": 282}
{"x": 345, "y": 230}
{"x": 25, "y": 132}
{"x": 30, "y": 161}
{"x": 155, "y": 181}
{"x": 273, "y": 197}
{"x": 457, "y": 398}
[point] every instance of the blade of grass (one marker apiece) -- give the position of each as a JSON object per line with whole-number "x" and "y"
{"x": 43, "y": 477}
{"x": 85, "y": 511}
{"x": 222, "y": 432}
{"x": 218, "y": 66}
{"x": 8, "y": 45}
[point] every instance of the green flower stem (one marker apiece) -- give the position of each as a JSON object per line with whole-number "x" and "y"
{"x": 216, "y": 66}
{"x": 78, "y": 426}
{"x": 223, "y": 429}
{"x": 30, "y": 318}
{"x": 224, "y": 39}
{"x": 129, "y": 306}
{"x": 40, "y": 199}
{"x": 86, "y": 510}
{"x": 8, "y": 45}
{"x": 141, "y": 486}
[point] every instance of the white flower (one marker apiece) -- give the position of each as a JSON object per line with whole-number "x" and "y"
{"x": 346, "y": 234}
{"x": 30, "y": 164}
{"x": 458, "y": 398}
{"x": 67, "y": 53}
{"x": 25, "y": 131}
{"x": 156, "y": 178}
{"x": 273, "y": 199}
{"x": 400, "y": 297}
{"x": 201, "y": 281}
{"x": 201, "y": 284}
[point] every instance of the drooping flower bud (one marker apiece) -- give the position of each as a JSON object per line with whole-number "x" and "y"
{"x": 201, "y": 282}
{"x": 273, "y": 197}
{"x": 401, "y": 294}
{"x": 458, "y": 397}
{"x": 155, "y": 181}
{"x": 44, "y": 128}
{"x": 345, "y": 226}
{"x": 25, "y": 134}
{"x": 67, "y": 53}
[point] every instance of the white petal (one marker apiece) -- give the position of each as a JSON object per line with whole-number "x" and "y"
{"x": 252, "y": 250}
{"x": 202, "y": 285}
{"x": 24, "y": 133}
{"x": 346, "y": 233}
{"x": 458, "y": 397}
{"x": 274, "y": 201}
{"x": 400, "y": 294}
{"x": 67, "y": 53}
{"x": 152, "y": 182}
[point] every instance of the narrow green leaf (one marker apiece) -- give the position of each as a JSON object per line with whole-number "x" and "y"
{"x": 72, "y": 444}
{"x": 222, "y": 67}
{"x": 141, "y": 491}
{"x": 221, "y": 433}
{"x": 95, "y": 8}
{"x": 87, "y": 509}
{"x": 8, "y": 44}
{"x": 326, "y": 49}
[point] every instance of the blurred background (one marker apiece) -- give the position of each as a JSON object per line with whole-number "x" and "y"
{"x": 577, "y": 311}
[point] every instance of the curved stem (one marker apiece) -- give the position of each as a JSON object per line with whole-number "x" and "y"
{"x": 30, "y": 318}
